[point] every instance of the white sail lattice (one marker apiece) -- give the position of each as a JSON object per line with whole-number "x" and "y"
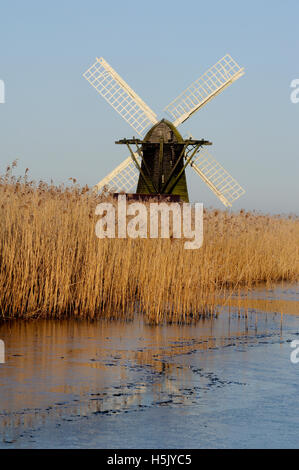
{"x": 120, "y": 96}
{"x": 123, "y": 178}
{"x": 223, "y": 185}
{"x": 210, "y": 84}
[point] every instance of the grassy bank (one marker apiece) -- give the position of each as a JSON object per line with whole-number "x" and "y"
{"x": 53, "y": 265}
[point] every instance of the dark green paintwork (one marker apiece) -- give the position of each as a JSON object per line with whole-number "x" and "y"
{"x": 173, "y": 143}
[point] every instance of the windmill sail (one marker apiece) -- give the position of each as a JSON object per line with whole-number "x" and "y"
{"x": 120, "y": 96}
{"x": 123, "y": 178}
{"x": 210, "y": 84}
{"x": 226, "y": 188}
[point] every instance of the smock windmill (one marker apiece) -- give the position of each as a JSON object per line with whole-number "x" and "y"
{"x": 157, "y": 162}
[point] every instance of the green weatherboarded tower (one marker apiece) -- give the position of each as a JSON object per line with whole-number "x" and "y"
{"x": 164, "y": 157}
{"x": 162, "y": 147}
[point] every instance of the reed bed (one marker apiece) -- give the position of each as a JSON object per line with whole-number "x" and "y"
{"x": 53, "y": 265}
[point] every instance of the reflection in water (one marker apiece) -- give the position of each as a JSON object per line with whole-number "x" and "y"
{"x": 289, "y": 307}
{"x": 71, "y": 370}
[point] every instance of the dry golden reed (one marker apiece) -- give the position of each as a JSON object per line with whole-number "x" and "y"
{"x": 53, "y": 265}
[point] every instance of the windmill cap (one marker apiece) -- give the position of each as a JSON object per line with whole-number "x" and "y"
{"x": 164, "y": 129}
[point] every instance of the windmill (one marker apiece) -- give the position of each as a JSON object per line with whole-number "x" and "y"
{"x": 157, "y": 162}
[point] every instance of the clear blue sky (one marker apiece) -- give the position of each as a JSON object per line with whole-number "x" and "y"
{"x": 58, "y": 126}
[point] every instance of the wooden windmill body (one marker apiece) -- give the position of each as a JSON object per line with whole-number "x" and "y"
{"x": 161, "y": 148}
{"x": 156, "y": 166}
